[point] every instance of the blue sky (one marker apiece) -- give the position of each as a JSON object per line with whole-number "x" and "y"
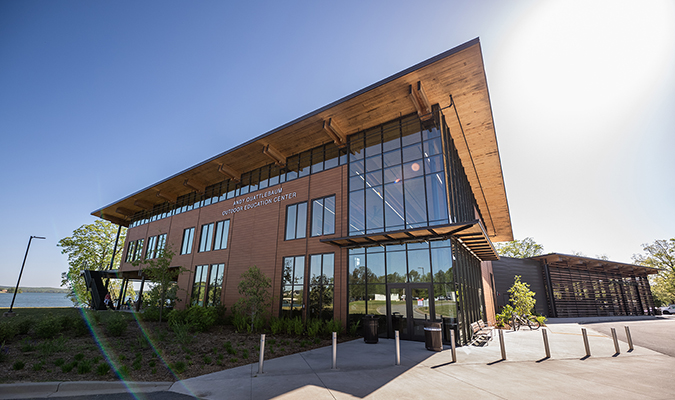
{"x": 100, "y": 99}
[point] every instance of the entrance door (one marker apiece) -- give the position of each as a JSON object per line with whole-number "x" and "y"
{"x": 408, "y": 306}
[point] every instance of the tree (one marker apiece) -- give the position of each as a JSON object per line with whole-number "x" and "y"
{"x": 520, "y": 248}
{"x": 661, "y": 255}
{"x": 521, "y": 297}
{"x": 90, "y": 247}
{"x": 255, "y": 298}
{"x": 160, "y": 271}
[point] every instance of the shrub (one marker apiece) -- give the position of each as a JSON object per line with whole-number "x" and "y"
{"x": 59, "y": 362}
{"x": 65, "y": 368}
{"x": 39, "y": 366}
{"x": 240, "y": 322}
{"x": 65, "y": 322}
{"x": 47, "y": 327}
{"x": 52, "y": 346}
{"x": 504, "y": 318}
{"x": 334, "y": 325}
{"x": 84, "y": 367}
{"x": 7, "y": 331}
{"x": 294, "y": 326}
{"x": 244, "y": 354}
{"x": 199, "y": 319}
{"x": 123, "y": 371}
{"x": 18, "y": 365}
{"x": 4, "y": 352}
{"x": 27, "y": 345}
{"x": 79, "y": 357}
{"x": 116, "y": 325}
{"x": 314, "y": 327}
{"x": 228, "y": 347}
{"x": 178, "y": 367}
{"x": 354, "y": 328}
{"x": 541, "y": 319}
{"x": 80, "y": 327}
{"x": 182, "y": 331}
{"x": 102, "y": 369}
{"x": 24, "y": 326}
{"x": 276, "y": 325}
{"x": 255, "y": 300}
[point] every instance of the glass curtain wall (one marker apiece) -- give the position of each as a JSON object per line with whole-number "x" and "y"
{"x": 371, "y": 269}
{"x": 396, "y": 178}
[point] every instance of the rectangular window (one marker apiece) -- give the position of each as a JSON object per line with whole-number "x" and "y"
{"x": 296, "y": 221}
{"x": 150, "y": 252}
{"x": 323, "y": 216}
{"x": 292, "y": 287}
{"x": 161, "y": 245}
{"x": 222, "y": 233}
{"x": 321, "y": 286}
{"x": 199, "y": 287}
{"x": 139, "y": 249}
{"x": 215, "y": 284}
{"x": 206, "y": 238}
{"x": 188, "y": 237}
{"x": 130, "y": 252}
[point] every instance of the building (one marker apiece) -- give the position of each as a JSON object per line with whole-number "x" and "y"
{"x": 384, "y": 202}
{"x": 577, "y": 286}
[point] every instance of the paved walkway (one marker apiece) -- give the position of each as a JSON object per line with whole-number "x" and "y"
{"x": 368, "y": 371}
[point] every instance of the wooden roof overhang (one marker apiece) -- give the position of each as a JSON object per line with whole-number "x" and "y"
{"x": 458, "y": 72}
{"x": 595, "y": 264}
{"x": 472, "y": 234}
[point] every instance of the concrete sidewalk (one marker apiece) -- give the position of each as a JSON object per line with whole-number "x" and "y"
{"x": 368, "y": 371}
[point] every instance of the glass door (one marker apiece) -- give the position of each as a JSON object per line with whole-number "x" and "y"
{"x": 409, "y": 305}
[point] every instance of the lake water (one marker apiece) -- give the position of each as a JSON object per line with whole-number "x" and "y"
{"x": 35, "y": 300}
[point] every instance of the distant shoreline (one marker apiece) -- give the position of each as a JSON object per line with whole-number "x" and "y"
{"x": 4, "y": 289}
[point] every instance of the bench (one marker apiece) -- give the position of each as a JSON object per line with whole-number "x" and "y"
{"x": 480, "y": 333}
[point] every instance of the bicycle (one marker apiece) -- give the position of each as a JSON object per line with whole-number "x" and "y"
{"x": 525, "y": 319}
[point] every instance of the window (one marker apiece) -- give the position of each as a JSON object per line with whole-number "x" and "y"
{"x": 323, "y": 216}
{"x": 161, "y": 245}
{"x": 130, "y": 252}
{"x": 206, "y": 238}
{"x": 188, "y": 237}
{"x": 222, "y": 232}
{"x": 139, "y": 250}
{"x": 199, "y": 287}
{"x": 321, "y": 283}
{"x": 208, "y": 285}
{"x": 150, "y": 252}
{"x": 296, "y": 221}
{"x": 292, "y": 301}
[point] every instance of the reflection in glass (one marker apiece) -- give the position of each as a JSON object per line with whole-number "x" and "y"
{"x": 419, "y": 268}
{"x": 377, "y": 300}
{"x": 415, "y": 203}
{"x": 396, "y": 267}
{"x": 399, "y": 311}
{"x": 375, "y": 264}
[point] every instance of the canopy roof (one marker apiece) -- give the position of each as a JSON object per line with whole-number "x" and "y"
{"x": 471, "y": 234}
{"x": 458, "y": 72}
{"x": 595, "y": 264}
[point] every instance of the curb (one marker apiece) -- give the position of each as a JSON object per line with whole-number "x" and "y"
{"x": 62, "y": 389}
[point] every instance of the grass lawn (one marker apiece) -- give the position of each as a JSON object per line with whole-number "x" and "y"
{"x": 69, "y": 344}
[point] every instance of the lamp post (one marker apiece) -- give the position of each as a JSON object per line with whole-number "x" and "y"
{"x": 10, "y": 313}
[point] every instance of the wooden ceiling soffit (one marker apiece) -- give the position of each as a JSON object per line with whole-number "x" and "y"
{"x": 420, "y": 100}
{"x": 115, "y": 220}
{"x": 125, "y": 211}
{"x": 144, "y": 204}
{"x": 335, "y": 133}
{"x": 274, "y": 154}
{"x": 194, "y": 185}
{"x": 167, "y": 196}
{"x": 230, "y": 172}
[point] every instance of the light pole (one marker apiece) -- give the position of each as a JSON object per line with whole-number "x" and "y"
{"x": 10, "y": 313}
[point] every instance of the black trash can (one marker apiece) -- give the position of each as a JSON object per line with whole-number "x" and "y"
{"x": 370, "y": 324}
{"x": 433, "y": 338}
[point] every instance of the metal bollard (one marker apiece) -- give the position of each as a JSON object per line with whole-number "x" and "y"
{"x": 501, "y": 344}
{"x": 398, "y": 349}
{"x": 629, "y": 338}
{"x": 334, "y": 350}
{"x": 616, "y": 342}
{"x": 588, "y": 347}
{"x": 452, "y": 345}
{"x": 546, "y": 347}
{"x": 262, "y": 354}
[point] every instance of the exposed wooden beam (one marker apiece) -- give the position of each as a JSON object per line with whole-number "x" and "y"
{"x": 144, "y": 204}
{"x": 230, "y": 172}
{"x": 338, "y": 137}
{"x": 125, "y": 211}
{"x": 167, "y": 196}
{"x": 420, "y": 100}
{"x": 116, "y": 220}
{"x": 275, "y": 155}
{"x": 196, "y": 186}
